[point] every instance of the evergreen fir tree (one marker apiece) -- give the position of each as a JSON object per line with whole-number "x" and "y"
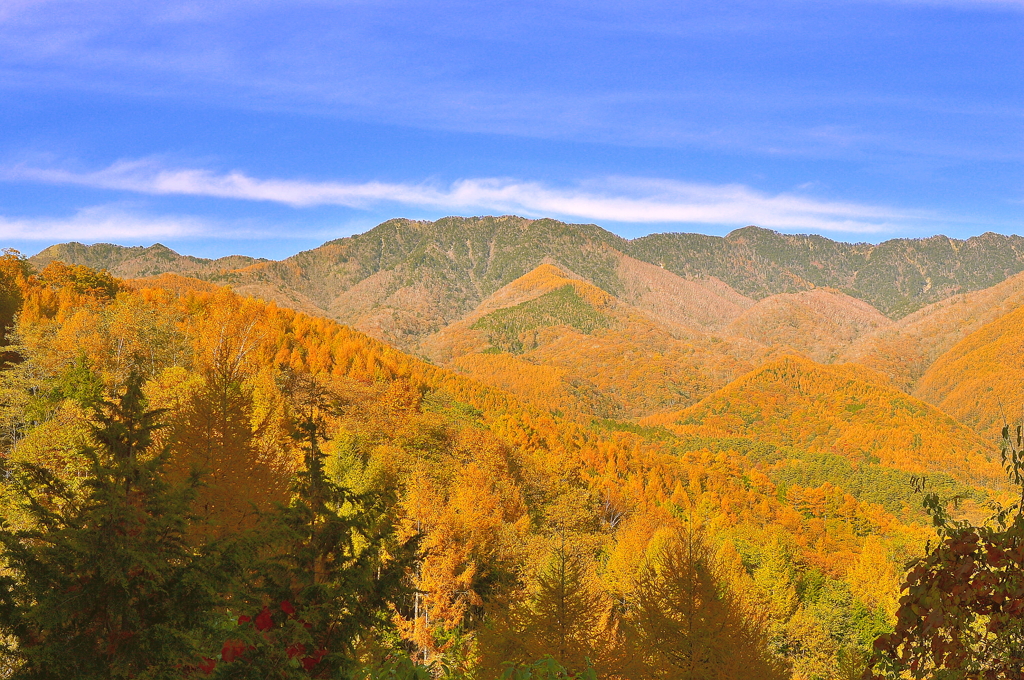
{"x": 331, "y": 585}
{"x": 103, "y": 584}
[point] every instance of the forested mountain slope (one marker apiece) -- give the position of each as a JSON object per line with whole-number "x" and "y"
{"x": 136, "y": 261}
{"x": 818, "y": 323}
{"x": 906, "y": 349}
{"x": 704, "y": 303}
{"x": 404, "y": 279}
{"x": 501, "y": 490}
{"x": 841, "y": 409}
{"x": 978, "y": 380}
{"x": 897, "y": 276}
{"x": 567, "y": 345}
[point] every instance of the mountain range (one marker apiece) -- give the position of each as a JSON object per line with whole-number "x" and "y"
{"x": 405, "y": 279}
{"x": 583, "y": 321}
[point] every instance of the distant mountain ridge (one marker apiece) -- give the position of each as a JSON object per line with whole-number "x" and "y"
{"x": 404, "y": 280}
{"x": 897, "y": 276}
{"x": 137, "y": 261}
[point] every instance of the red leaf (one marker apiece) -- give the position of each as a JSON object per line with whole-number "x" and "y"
{"x": 313, "y": 659}
{"x": 995, "y": 555}
{"x": 287, "y": 608}
{"x": 263, "y": 620}
{"x": 207, "y": 665}
{"x": 231, "y": 650}
{"x": 244, "y": 618}
{"x": 298, "y": 649}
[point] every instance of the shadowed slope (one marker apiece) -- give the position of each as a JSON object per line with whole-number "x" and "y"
{"x": 817, "y": 323}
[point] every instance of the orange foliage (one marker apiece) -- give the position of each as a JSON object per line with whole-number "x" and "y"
{"x": 977, "y": 381}
{"x": 629, "y": 369}
{"x": 817, "y": 323}
{"x": 845, "y": 409}
{"x": 908, "y": 348}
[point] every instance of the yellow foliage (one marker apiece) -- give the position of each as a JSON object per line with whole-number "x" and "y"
{"x": 874, "y": 579}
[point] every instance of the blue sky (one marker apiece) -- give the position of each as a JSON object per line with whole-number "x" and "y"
{"x": 264, "y": 127}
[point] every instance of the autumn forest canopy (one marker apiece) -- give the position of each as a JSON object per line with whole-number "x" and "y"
{"x": 505, "y": 448}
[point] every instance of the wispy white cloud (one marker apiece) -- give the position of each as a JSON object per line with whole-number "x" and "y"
{"x": 101, "y": 223}
{"x": 615, "y": 199}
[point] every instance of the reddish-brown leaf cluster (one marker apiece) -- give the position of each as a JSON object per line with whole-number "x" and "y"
{"x": 962, "y": 609}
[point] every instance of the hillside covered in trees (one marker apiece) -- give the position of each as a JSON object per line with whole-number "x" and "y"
{"x": 529, "y": 443}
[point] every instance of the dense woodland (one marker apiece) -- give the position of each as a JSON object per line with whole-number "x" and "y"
{"x": 204, "y": 484}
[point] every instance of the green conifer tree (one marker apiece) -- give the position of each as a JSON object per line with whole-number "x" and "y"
{"x": 330, "y": 586}
{"x": 102, "y": 584}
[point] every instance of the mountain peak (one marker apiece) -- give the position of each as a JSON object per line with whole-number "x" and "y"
{"x": 750, "y": 230}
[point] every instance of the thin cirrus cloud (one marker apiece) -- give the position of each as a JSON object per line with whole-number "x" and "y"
{"x": 616, "y": 199}
{"x": 99, "y": 223}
